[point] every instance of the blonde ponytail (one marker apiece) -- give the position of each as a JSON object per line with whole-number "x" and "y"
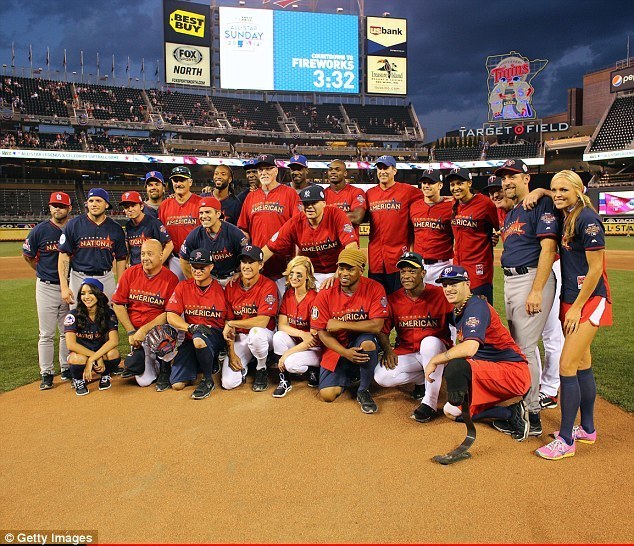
{"x": 583, "y": 201}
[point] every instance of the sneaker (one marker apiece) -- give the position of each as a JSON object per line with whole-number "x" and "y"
{"x": 519, "y": 421}
{"x": 283, "y": 388}
{"x": 546, "y": 401}
{"x": 47, "y": 381}
{"x": 117, "y": 371}
{"x": 66, "y": 375}
{"x": 203, "y": 390}
{"x": 104, "y": 383}
{"x": 163, "y": 381}
{"x": 557, "y": 449}
{"x": 419, "y": 392}
{"x": 261, "y": 382}
{"x": 215, "y": 367}
{"x": 366, "y": 402}
{"x": 424, "y": 413}
{"x": 503, "y": 426}
{"x": 313, "y": 378}
{"x": 81, "y": 389}
{"x": 580, "y": 435}
{"x": 534, "y": 424}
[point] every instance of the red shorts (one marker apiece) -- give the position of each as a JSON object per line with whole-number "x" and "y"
{"x": 597, "y": 310}
{"x": 494, "y": 382}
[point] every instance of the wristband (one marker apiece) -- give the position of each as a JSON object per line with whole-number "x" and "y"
{"x": 131, "y": 332}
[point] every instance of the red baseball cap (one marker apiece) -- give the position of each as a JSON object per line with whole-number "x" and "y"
{"x": 210, "y": 202}
{"x": 59, "y": 198}
{"x": 131, "y": 197}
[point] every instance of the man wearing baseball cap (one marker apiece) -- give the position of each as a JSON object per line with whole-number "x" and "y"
{"x": 222, "y": 191}
{"x": 253, "y": 304}
{"x": 40, "y": 252}
{"x": 179, "y": 214}
{"x": 298, "y": 166}
{"x": 344, "y": 195}
{"x": 251, "y": 174}
{"x": 419, "y": 313}
{"x": 348, "y": 317}
{"x": 389, "y": 205}
{"x": 320, "y": 232}
{"x": 223, "y": 240}
{"x": 155, "y": 190}
{"x": 266, "y": 209}
{"x": 486, "y": 366}
{"x": 431, "y": 218}
{"x": 141, "y": 227}
{"x": 89, "y": 246}
{"x": 197, "y": 307}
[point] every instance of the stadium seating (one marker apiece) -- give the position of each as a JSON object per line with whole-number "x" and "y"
{"x": 112, "y": 103}
{"x": 183, "y": 108}
{"x": 315, "y": 118}
{"x": 617, "y": 131}
{"x": 380, "y": 119}
{"x": 249, "y": 114}
{"x": 36, "y": 96}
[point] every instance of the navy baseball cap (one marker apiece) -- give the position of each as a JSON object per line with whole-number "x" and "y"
{"x": 92, "y": 282}
{"x": 493, "y": 183}
{"x": 253, "y": 252}
{"x": 459, "y": 172}
{"x": 435, "y": 175}
{"x": 154, "y": 175}
{"x": 386, "y": 160}
{"x": 513, "y": 166}
{"x": 410, "y": 259}
{"x": 100, "y": 192}
{"x": 453, "y": 274}
{"x": 181, "y": 171}
{"x": 249, "y": 165}
{"x": 200, "y": 256}
{"x": 298, "y": 160}
{"x": 312, "y": 194}
{"x": 265, "y": 159}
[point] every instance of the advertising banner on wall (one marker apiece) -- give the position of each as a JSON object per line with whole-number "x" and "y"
{"x": 187, "y": 64}
{"x": 386, "y": 55}
{"x": 622, "y": 80}
{"x": 617, "y": 203}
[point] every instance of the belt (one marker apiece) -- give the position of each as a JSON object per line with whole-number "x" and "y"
{"x": 49, "y": 282}
{"x": 93, "y": 273}
{"x": 432, "y": 262}
{"x": 513, "y": 271}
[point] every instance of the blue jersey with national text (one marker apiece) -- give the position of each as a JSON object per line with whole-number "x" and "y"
{"x": 523, "y": 230}
{"x": 480, "y": 322}
{"x": 90, "y": 336}
{"x": 589, "y": 236}
{"x": 42, "y": 244}
{"x": 150, "y": 211}
{"x": 136, "y": 234}
{"x": 225, "y": 247}
{"x": 93, "y": 247}
{"x": 231, "y": 208}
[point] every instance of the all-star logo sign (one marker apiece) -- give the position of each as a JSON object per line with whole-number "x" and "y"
{"x": 509, "y": 86}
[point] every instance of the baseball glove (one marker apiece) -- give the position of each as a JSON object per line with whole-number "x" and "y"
{"x": 164, "y": 340}
{"x": 202, "y": 329}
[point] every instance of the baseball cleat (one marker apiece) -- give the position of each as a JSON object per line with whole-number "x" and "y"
{"x": 127, "y": 373}
{"x": 47, "y": 382}
{"x": 203, "y": 390}
{"x": 546, "y": 401}
{"x": 557, "y": 449}
{"x": 367, "y": 403}
{"x": 261, "y": 382}
{"x": 502, "y": 425}
{"x": 535, "y": 424}
{"x": 66, "y": 375}
{"x": 424, "y": 413}
{"x": 313, "y": 378}
{"x": 519, "y": 421}
{"x": 163, "y": 381}
{"x": 580, "y": 435}
{"x": 419, "y": 392}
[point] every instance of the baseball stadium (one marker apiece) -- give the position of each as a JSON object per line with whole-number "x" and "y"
{"x": 231, "y": 315}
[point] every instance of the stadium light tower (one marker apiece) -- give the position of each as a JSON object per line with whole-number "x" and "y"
{"x": 339, "y": 10}
{"x": 386, "y": 14}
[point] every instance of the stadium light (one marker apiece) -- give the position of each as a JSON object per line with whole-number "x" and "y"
{"x": 386, "y": 14}
{"x": 241, "y": 3}
{"x": 339, "y": 10}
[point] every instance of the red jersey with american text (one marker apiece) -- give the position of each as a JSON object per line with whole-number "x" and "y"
{"x": 433, "y": 236}
{"x": 199, "y": 305}
{"x": 179, "y": 219}
{"x": 261, "y": 299}
{"x": 348, "y": 198}
{"x": 298, "y": 313}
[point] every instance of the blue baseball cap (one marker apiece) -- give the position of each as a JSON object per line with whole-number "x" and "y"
{"x": 253, "y": 252}
{"x": 298, "y": 160}
{"x": 453, "y": 274}
{"x": 459, "y": 172}
{"x": 92, "y": 282}
{"x": 100, "y": 192}
{"x": 265, "y": 159}
{"x": 513, "y": 166}
{"x": 249, "y": 165}
{"x": 435, "y": 175}
{"x": 493, "y": 183}
{"x": 312, "y": 194}
{"x": 154, "y": 175}
{"x": 386, "y": 160}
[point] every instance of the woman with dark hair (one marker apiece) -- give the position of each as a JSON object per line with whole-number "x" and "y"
{"x": 92, "y": 337}
{"x": 585, "y": 305}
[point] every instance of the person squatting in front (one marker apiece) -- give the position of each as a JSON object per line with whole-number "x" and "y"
{"x": 486, "y": 366}
{"x": 296, "y": 347}
{"x": 252, "y": 302}
{"x": 348, "y": 317}
{"x": 92, "y": 337}
{"x": 420, "y": 314}
{"x": 197, "y": 307}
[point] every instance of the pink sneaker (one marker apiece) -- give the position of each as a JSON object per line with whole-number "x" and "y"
{"x": 580, "y": 435}
{"x": 557, "y": 449}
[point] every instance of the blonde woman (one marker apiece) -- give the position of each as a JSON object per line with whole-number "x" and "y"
{"x": 297, "y": 347}
{"x": 585, "y": 305}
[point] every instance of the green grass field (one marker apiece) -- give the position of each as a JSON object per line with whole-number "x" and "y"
{"x": 612, "y": 352}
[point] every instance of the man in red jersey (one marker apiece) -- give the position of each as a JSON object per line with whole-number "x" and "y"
{"x": 348, "y": 317}
{"x": 431, "y": 218}
{"x": 253, "y": 303}
{"x": 139, "y": 303}
{"x": 264, "y": 212}
{"x": 420, "y": 314}
{"x": 474, "y": 222}
{"x": 320, "y": 232}
{"x": 390, "y": 227}
{"x": 179, "y": 214}
{"x": 343, "y": 195}
{"x": 195, "y": 302}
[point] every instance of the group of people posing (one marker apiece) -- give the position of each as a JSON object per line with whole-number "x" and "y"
{"x": 273, "y": 279}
